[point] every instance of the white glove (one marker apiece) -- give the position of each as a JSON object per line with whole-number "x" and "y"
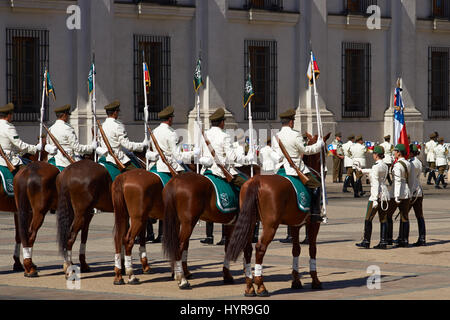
{"x": 397, "y": 200}
{"x": 152, "y": 156}
{"x": 94, "y": 145}
{"x": 51, "y": 150}
{"x": 101, "y": 151}
{"x": 374, "y": 204}
{"x": 197, "y": 152}
{"x": 206, "y": 161}
{"x": 39, "y": 147}
{"x": 145, "y": 142}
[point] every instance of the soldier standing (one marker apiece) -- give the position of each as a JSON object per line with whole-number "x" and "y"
{"x": 417, "y": 193}
{"x": 441, "y": 153}
{"x": 65, "y": 134}
{"x": 379, "y": 198}
{"x": 431, "y": 158}
{"x": 338, "y": 159}
{"x": 388, "y": 149}
{"x": 349, "y": 181}
{"x": 358, "y": 151}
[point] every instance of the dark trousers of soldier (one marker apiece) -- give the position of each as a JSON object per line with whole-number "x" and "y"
{"x": 357, "y": 185}
{"x": 417, "y": 205}
{"x": 388, "y": 177}
{"x": 349, "y": 181}
{"x": 441, "y": 177}
{"x": 403, "y": 234}
{"x": 370, "y": 215}
{"x": 431, "y": 173}
{"x": 337, "y": 169}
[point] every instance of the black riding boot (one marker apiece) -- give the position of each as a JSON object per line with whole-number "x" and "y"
{"x": 361, "y": 192}
{"x": 383, "y": 233}
{"x": 356, "y": 188}
{"x": 346, "y": 183}
{"x": 421, "y": 240}
{"x": 438, "y": 180}
{"x": 443, "y": 181}
{"x": 209, "y": 233}
{"x": 400, "y": 232}
{"x": 315, "y": 205}
{"x": 160, "y": 232}
{"x": 222, "y": 241}
{"x": 403, "y": 241}
{"x": 389, "y": 232}
{"x": 150, "y": 234}
{"x": 367, "y": 235}
{"x": 430, "y": 175}
{"x": 288, "y": 236}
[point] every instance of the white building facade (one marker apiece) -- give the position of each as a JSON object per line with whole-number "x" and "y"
{"x": 359, "y": 66}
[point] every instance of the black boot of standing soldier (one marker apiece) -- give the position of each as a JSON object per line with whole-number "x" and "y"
{"x": 421, "y": 241}
{"x": 365, "y": 243}
{"x": 209, "y": 234}
{"x": 288, "y": 238}
{"x": 383, "y": 233}
{"x": 223, "y": 239}
{"x": 160, "y": 232}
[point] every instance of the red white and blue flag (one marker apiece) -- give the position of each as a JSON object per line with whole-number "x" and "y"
{"x": 148, "y": 82}
{"x": 400, "y": 135}
{"x": 313, "y": 69}
{"x": 370, "y": 145}
{"x": 332, "y": 149}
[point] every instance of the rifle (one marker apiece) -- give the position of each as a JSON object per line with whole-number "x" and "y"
{"x": 161, "y": 153}
{"x": 227, "y": 173}
{"x": 10, "y": 166}
{"x": 55, "y": 141}
{"x": 303, "y": 178}
{"x": 108, "y": 146}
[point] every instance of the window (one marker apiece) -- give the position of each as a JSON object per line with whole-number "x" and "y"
{"x": 358, "y": 6}
{"x": 157, "y": 56}
{"x": 438, "y": 82}
{"x": 262, "y": 56}
{"x": 441, "y": 9}
{"x": 275, "y": 5}
{"x": 356, "y": 74}
{"x": 26, "y": 59}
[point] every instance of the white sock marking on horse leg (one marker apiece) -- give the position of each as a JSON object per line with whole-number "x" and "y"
{"x": 184, "y": 256}
{"x": 82, "y": 248}
{"x": 17, "y": 250}
{"x": 142, "y": 252}
{"x": 117, "y": 261}
{"x": 247, "y": 269}
{"x": 68, "y": 256}
{"x": 312, "y": 265}
{"x": 178, "y": 267}
{"x": 27, "y": 252}
{"x": 295, "y": 263}
{"x": 226, "y": 263}
{"x": 258, "y": 270}
{"x": 128, "y": 266}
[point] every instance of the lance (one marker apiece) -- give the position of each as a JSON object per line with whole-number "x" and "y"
{"x": 94, "y": 100}
{"x": 41, "y": 128}
{"x": 145, "y": 104}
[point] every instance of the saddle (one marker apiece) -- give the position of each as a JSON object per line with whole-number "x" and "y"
{"x": 7, "y": 181}
{"x": 227, "y": 195}
{"x": 302, "y": 192}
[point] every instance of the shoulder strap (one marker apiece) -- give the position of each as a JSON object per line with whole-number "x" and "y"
{"x": 406, "y": 170}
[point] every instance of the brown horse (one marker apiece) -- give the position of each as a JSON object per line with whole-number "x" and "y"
{"x": 188, "y": 198}
{"x": 272, "y": 199}
{"x": 81, "y": 187}
{"x": 136, "y": 196}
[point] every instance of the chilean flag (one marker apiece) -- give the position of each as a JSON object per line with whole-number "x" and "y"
{"x": 332, "y": 149}
{"x": 313, "y": 70}
{"x": 370, "y": 145}
{"x": 148, "y": 82}
{"x": 400, "y": 135}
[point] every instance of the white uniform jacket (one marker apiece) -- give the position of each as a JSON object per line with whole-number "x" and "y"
{"x": 12, "y": 145}
{"x": 225, "y": 152}
{"x": 400, "y": 186}
{"x": 294, "y": 145}
{"x": 358, "y": 151}
{"x": 377, "y": 176}
{"x": 348, "y": 162}
{"x": 68, "y": 140}
{"x": 441, "y": 153}
{"x": 429, "y": 150}
{"x": 167, "y": 139}
{"x": 269, "y": 159}
{"x": 118, "y": 139}
{"x": 414, "y": 179}
{"x": 388, "y": 148}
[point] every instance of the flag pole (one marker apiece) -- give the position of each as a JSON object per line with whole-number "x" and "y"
{"x": 320, "y": 134}
{"x": 41, "y": 128}
{"x": 145, "y": 105}
{"x": 197, "y": 86}
{"x": 250, "y": 124}
{"x": 199, "y": 124}
{"x": 94, "y": 100}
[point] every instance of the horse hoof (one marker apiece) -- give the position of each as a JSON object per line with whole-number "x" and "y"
{"x": 18, "y": 267}
{"x": 33, "y": 274}
{"x": 188, "y": 275}
{"x": 228, "y": 280}
{"x": 119, "y": 282}
{"x": 134, "y": 281}
{"x": 296, "y": 285}
{"x": 263, "y": 294}
{"x": 316, "y": 286}
{"x": 147, "y": 271}
{"x": 184, "y": 286}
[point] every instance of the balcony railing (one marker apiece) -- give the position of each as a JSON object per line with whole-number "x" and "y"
{"x": 358, "y": 6}
{"x": 272, "y": 5}
{"x": 441, "y": 9}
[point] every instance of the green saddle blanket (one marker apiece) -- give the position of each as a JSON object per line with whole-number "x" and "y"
{"x": 227, "y": 195}
{"x": 52, "y": 161}
{"x": 110, "y": 167}
{"x": 7, "y": 181}
{"x": 164, "y": 176}
{"x": 302, "y": 192}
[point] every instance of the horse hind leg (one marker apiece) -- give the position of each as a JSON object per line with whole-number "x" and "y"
{"x": 313, "y": 230}
{"x": 249, "y": 290}
{"x": 16, "y": 256}
{"x": 296, "y": 283}
{"x": 84, "y": 267}
{"x": 261, "y": 247}
{"x": 143, "y": 253}
{"x": 135, "y": 229}
{"x": 227, "y": 277}
{"x": 120, "y": 230}
{"x": 180, "y": 277}
{"x": 38, "y": 215}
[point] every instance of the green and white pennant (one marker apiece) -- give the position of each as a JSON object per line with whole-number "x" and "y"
{"x": 198, "y": 81}
{"x": 248, "y": 90}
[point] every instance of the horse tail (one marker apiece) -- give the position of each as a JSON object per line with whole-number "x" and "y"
{"x": 171, "y": 225}
{"x": 65, "y": 216}
{"x": 119, "y": 204}
{"x": 245, "y": 223}
{"x": 23, "y": 204}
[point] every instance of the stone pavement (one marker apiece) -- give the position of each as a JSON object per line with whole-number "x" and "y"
{"x": 406, "y": 273}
